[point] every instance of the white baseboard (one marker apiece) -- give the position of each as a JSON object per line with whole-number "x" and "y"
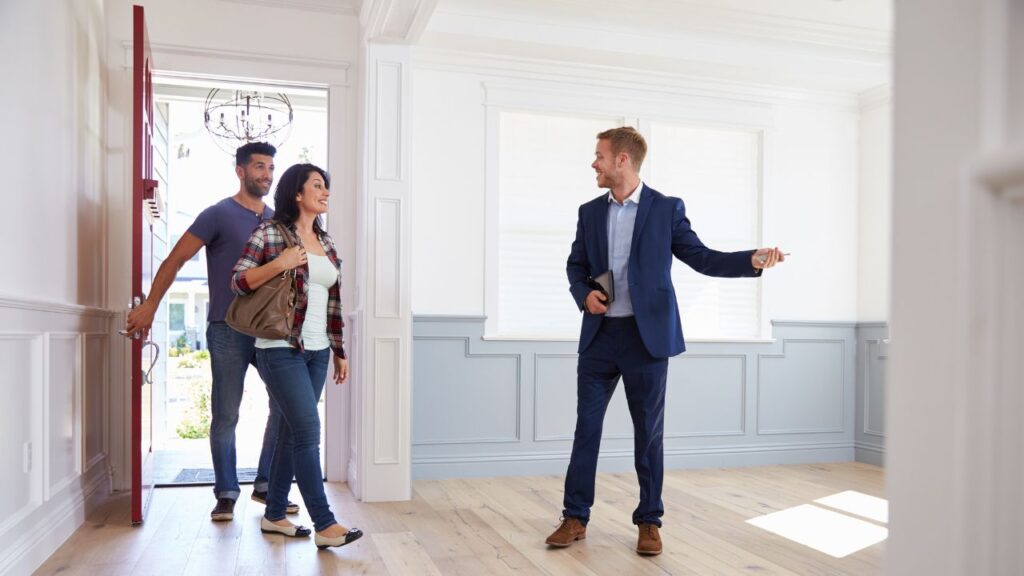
{"x": 41, "y": 533}
{"x": 869, "y": 454}
{"x": 610, "y": 461}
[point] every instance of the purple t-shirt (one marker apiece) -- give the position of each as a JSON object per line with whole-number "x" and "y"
{"x": 225, "y": 228}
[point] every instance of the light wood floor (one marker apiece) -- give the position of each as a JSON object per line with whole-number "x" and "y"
{"x": 485, "y": 526}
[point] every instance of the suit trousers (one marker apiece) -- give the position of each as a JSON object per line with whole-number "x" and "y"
{"x": 617, "y": 350}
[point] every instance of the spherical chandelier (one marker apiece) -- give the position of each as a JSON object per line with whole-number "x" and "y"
{"x": 237, "y": 117}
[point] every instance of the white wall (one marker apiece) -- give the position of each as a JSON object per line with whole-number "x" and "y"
{"x": 875, "y": 207}
{"x": 53, "y": 101}
{"x": 811, "y": 189}
{"x": 54, "y": 328}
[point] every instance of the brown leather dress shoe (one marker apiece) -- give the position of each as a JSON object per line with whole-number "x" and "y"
{"x": 570, "y": 531}
{"x": 649, "y": 541}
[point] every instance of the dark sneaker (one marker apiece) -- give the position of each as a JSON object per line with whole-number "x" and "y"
{"x": 224, "y": 510}
{"x": 261, "y": 497}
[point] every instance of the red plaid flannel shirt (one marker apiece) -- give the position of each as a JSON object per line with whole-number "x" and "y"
{"x": 267, "y": 243}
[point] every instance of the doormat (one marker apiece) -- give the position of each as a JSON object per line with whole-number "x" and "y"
{"x": 205, "y": 476}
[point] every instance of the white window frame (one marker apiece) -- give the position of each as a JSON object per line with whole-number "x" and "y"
{"x": 637, "y": 109}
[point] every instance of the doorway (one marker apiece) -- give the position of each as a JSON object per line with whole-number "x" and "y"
{"x": 199, "y": 171}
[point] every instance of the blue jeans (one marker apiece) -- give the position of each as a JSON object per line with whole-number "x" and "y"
{"x": 616, "y": 351}
{"x": 295, "y": 381}
{"x": 231, "y": 353}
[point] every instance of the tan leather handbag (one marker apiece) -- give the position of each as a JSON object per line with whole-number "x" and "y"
{"x": 269, "y": 311}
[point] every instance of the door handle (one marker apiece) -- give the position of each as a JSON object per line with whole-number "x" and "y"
{"x": 137, "y": 300}
{"x": 147, "y": 376}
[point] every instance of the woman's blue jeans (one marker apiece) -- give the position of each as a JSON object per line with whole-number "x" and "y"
{"x": 295, "y": 380}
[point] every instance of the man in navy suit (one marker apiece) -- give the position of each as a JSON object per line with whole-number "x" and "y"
{"x": 634, "y": 231}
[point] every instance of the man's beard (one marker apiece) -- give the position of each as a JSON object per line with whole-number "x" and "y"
{"x": 254, "y": 189}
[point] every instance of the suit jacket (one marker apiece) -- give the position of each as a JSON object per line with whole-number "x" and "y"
{"x": 661, "y": 231}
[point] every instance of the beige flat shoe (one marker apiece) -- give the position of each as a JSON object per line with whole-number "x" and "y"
{"x": 268, "y": 527}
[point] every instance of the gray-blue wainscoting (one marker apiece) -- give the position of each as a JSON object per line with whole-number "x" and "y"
{"x": 507, "y": 407}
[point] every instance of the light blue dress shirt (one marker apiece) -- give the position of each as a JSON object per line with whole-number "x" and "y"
{"x": 621, "y": 218}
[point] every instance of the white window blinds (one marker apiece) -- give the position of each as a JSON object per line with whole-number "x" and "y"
{"x": 544, "y": 175}
{"x": 717, "y": 173}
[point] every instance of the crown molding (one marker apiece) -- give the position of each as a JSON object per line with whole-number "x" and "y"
{"x": 664, "y": 17}
{"x": 328, "y": 71}
{"x": 345, "y": 7}
{"x": 560, "y": 72}
{"x": 875, "y": 97}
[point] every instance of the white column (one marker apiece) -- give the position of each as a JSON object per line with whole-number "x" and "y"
{"x": 955, "y": 454}
{"x": 382, "y": 331}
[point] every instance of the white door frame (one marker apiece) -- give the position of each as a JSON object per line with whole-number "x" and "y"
{"x": 330, "y": 74}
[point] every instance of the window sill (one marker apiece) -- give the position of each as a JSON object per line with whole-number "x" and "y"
{"x": 517, "y": 338}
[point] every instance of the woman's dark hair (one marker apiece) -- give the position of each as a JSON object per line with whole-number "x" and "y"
{"x": 286, "y": 209}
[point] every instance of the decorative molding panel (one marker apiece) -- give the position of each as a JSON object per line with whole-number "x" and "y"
{"x": 62, "y": 420}
{"x": 387, "y": 246}
{"x": 712, "y": 395}
{"x": 389, "y": 120}
{"x": 875, "y": 358}
{"x": 706, "y": 401}
{"x": 21, "y": 420}
{"x": 707, "y": 395}
{"x": 554, "y": 397}
{"x": 96, "y": 395}
{"x": 54, "y": 359}
{"x": 475, "y": 400}
{"x": 812, "y": 370}
{"x": 387, "y": 406}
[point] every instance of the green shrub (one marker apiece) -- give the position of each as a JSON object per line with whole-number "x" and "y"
{"x": 196, "y": 421}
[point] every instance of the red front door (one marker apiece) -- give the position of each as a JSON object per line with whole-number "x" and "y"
{"x": 145, "y": 209}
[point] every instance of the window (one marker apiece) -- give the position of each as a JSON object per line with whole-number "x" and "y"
{"x": 176, "y": 313}
{"x": 544, "y": 175}
{"x": 717, "y": 173}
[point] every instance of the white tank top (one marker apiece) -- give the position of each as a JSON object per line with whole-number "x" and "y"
{"x": 322, "y": 275}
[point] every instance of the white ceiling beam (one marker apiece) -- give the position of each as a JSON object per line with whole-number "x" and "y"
{"x": 395, "y": 21}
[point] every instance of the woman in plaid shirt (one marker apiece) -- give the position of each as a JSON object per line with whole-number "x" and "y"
{"x": 295, "y": 369}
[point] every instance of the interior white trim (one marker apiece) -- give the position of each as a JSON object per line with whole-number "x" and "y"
{"x": 21, "y": 303}
{"x": 602, "y": 76}
{"x": 328, "y": 6}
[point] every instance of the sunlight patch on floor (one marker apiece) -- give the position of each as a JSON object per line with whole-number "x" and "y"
{"x": 828, "y": 531}
{"x": 853, "y": 502}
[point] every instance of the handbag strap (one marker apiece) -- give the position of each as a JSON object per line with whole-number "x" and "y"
{"x": 284, "y": 233}
{"x": 288, "y": 244}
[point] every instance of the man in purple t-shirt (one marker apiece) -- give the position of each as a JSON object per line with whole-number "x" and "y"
{"x": 224, "y": 229}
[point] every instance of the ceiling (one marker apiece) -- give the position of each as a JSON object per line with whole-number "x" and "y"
{"x": 839, "y": 45}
